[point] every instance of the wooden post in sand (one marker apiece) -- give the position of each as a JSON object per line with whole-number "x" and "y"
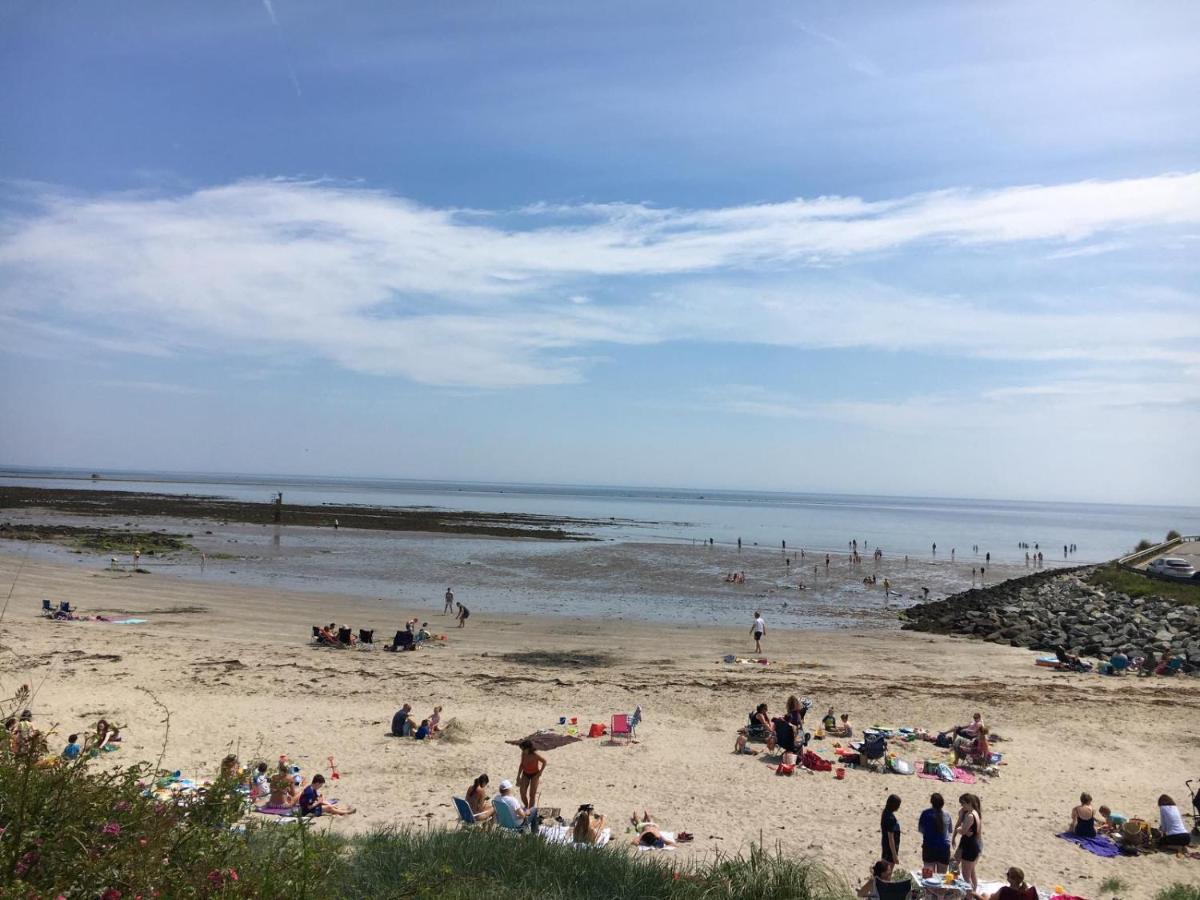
{"x": 278, "y": 507}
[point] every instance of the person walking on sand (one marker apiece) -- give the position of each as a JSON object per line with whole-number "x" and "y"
{"x": 463, "y": 615}
{"x": 448, "y": 610}
{"x": 758, "y": 631}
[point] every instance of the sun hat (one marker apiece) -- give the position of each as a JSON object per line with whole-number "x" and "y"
{"x": 506, "y": 785}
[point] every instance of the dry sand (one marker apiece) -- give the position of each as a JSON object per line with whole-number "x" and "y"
{"x": 237, "y": 672}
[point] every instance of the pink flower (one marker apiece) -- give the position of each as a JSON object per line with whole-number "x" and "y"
{"x": 215, "y": 876}
{"x": 233, "y": 875}
{"x": 142, "y": 842}
{"x": 122, "y": 806}
{"x": 111, "y": 894}
{"x": 112, "y": 828}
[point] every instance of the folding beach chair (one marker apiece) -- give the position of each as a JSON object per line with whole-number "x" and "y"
{"x": 65, "y": 607}
{"x": 316, "y": 634}
{"x": 620, "y": 728}
{"x": 465, "y": 814}
{"x": 507, "y": 820}
{"x": 366, "y": 638}
{"x": 47, "y": 608}
{"x": 893, "y": 890}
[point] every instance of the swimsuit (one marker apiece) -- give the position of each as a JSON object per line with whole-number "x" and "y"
{"x": 969, "y": 847}
{"x": 1085, "y": 828}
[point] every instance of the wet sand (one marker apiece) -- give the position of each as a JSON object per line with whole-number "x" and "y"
{"x": 233, "y": 665}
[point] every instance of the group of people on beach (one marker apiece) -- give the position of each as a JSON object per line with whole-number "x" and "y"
{"x": 24, "y": 737}
{"x": 428, "y": 728}
{"x": 1089, "y": 820}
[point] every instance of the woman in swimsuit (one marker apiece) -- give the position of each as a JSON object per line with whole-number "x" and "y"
{"x": 588, "y": 825}
{"x": 529, "y": 774}
{"x": 477, "y": 799}
{"x": 969, "y": 833}
{"x": 1083, "y": 819}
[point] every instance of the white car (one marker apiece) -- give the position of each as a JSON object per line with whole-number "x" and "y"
{"x": 1172, "y": 566}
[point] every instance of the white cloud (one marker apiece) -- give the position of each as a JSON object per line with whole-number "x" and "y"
{"x": 473, "y": 298}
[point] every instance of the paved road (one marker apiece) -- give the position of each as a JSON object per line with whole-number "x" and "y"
{"x": 1189, "y": 550}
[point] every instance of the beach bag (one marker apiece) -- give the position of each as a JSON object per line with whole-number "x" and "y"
{"x": 814, "y": 762}
{"x": 900, "y": 766}
{"x": 944, "y": 772}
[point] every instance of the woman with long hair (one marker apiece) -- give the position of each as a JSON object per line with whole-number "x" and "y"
{"x": 969, "y": 834}
{"x": 529, "y": 774}
{"x": 477, "y": 799}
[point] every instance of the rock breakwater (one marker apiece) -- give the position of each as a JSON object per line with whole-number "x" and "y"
{"x": 1060, "y": 608}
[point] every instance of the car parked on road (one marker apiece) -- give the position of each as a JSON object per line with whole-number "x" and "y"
{"x": 1172, "y": 567}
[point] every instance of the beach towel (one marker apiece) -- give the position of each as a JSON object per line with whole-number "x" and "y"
{"x": 276, "y": 810}
{"x": 545, "y": 740}
{"x": 1100, "y": 845}
{"x": 959, "y": 775}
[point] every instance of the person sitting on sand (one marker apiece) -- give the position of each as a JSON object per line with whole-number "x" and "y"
{"x": 434, "y": 720}
{"x": 1112, "y": 820}
{"x": 521, "y": 814}
{"x": 740, "y": 742}
{"x": 230, "y": 768}
{"x": 829, "y": 723}
{"x": 423, "y": 731}
{"x": 588, "y": 825}
{"x": 284, "y": 793}
{"x": 648, "y": 834}
{"x": 1083, "y": 818}
{"x": 1170, "y": 822}
{"x": 106, "y": 734}
{"x": 72, "y": 750}
{"x": 477, "y": 799}
{"x": 402, "y": 721}
{"x": 1016, "y": 889}
{"x": 844, "y": 730}
{"x": 260, "y": 782}
{"x": 529, "y": 773}
{"x": 313, "y": 804}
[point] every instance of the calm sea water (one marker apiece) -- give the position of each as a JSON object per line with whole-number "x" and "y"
{"x": 898, "y": 525}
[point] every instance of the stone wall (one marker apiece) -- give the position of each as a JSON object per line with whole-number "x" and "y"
{"x": 1047, "y": 609}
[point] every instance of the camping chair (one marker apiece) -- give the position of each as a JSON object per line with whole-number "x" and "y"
{"x": 366, "y": 638}
{"x": 316, "y": 634}
{"x": 785, "y": 735}
{"x": 507, "y": 819}
{"x": 466, "y": 815}
{"x": 874, "y": 746}
{"x": 65, "y": 607}
{"x": 620, "y": 728}
{"x": 755, "y": 732}
{"x": 893, "y": 890}
{"x": 47, "y": 608}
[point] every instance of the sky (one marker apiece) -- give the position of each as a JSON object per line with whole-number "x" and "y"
{"x": 942, "y": 249}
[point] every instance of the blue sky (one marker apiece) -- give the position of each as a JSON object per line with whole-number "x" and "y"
{"x": 920, "y": 248}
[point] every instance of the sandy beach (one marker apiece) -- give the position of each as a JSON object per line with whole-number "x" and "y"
{"x": 234, "y": 666}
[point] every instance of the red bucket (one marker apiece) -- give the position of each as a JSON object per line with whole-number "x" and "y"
{"x": 839, "y": 774}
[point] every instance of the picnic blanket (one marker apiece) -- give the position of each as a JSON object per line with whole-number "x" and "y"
{"x": 546, "y": 740}
{"x": 961, "y": 776}
{"x": 1099, "y": 845}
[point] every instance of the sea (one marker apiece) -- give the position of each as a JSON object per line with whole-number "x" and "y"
{"x": 1006, "y": 529}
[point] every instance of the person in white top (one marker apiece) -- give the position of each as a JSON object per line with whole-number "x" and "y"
{"x": 1170, "y": 821}
{"x": 758, "y": 631}
{"x": 520, "y": 813}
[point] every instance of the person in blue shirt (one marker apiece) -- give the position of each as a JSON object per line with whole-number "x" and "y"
{"x": 935, "y": 827}
{"x": 313, "y": 804}
{"x": 73, "y": 749}
{"x": 422, "y": 731}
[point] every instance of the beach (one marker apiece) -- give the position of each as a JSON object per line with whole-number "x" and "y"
{"x": 234, "y": 666}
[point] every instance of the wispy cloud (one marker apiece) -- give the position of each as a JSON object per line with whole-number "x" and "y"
{"x": 287, "y": 61}
{"x": 468, "y": 298}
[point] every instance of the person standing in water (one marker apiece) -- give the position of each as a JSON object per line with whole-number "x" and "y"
{"x": 758, "y": 631}
{"x": 449, "y": 607}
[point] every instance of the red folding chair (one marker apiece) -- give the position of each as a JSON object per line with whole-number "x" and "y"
{"x": 620, "y": 728}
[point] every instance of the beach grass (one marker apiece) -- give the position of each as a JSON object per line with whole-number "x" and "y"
{"x": 1113, "y": 578}
{"x": 456, "y": 865}
{"x": 1179, "y": 891}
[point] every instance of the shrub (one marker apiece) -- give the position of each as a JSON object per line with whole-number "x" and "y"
{"x": 1173, "y": 535}
{"x": 1179, "y": 891}
{"x": 1113, "y": 885}
{"x": 82, "y": 828}
{"x": 1143, "y": 544}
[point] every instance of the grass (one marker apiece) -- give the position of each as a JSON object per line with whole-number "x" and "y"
{"x": 101, "y": 540}
{"x": 1179, "y": 891}
{"x": 464, "y": 865}
{"x": 1113, "y": 885}
{"x": 1113, "y": 578}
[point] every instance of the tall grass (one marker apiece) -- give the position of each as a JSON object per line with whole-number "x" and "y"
{"x": 457, "y": 865}
{"x": 1179, "y": 891}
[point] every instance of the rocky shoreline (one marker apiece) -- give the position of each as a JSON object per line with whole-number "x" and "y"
{"x": 1060, "y": 608}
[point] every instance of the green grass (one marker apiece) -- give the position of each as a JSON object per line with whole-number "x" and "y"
{"x": 1112, "y": 886}
{"x": 467, "y": 865}
{"x": 1179, "y": 891}
{"x": 1113, "y": 578}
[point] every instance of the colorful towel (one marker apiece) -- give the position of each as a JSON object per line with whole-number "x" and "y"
{"x": 1099, "y": 845}
{"x": 277, "y": 810}
{"x": 962, "y": 776}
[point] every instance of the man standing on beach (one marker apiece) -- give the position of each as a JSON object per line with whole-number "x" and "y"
{"x": 758, "y": 630}
{"x": 449, "y": 608}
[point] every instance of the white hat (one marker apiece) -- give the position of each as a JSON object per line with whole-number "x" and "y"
{"x": 806, "y": 703}
{"x": 506, "y": 785}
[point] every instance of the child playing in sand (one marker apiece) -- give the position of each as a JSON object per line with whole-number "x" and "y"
{"x": 72, "y": 750}
{"x": 313, "y": 804}
{"x": 844, "y": 730}
{"x": 434, "y": 720}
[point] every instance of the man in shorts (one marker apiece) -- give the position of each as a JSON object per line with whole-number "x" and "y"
{"x": 758, "y": 631}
